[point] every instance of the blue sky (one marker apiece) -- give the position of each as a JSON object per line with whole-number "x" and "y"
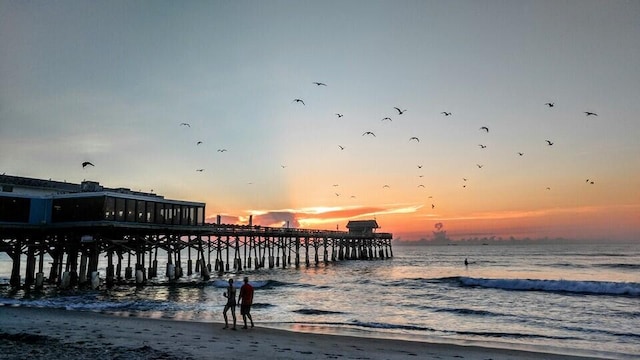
{"x": 111, "y": 81}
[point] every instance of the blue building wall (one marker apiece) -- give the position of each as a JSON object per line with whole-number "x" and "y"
{"x": 39, "y": 212}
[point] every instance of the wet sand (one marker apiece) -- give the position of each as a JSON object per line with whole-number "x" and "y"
{"x": 59, "y": 334}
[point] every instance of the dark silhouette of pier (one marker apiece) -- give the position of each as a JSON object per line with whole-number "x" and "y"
{"x": 74, "y": 225}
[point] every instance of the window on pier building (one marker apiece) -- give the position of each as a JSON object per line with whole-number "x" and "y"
{"x": 14, "y": 209}
{"x": 150, "y": 212}
{"x": 78, "y": 209}
{"x": 176, "y": 214}
{"x": 120, "y": 208}
{"x": 159, "y": 217}
{"x": 141, "y": 211}
{"x": 200, "y": 219}
{"x": 186, "y": 215}
{"x": 110, "y": 208}
{"x": 168, "y": 214}
{"x": 130, "y": 210}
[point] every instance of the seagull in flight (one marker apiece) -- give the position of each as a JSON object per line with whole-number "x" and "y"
{"x": 550, "y": 104}
{"x": 299, "y": 101}
{"x": 590, "y": 113}
{"x": 87, "y": 163}
{"x": 520, "y": 153}
{"x": 420, "y": 185}
{"x": 400, "y": 112}
{"x": 549, "y": 142}
{"x": 414, "y": 138}
{"x": 368, "y": 133}
{"x": 199, "y": 170}
{"x": 341, "y": 147}
{"x": 419, "y": 166}
{"x": 283, "y": 166}
{"x": 482, "y": 146}
{"x": 386, "y": 119}
{"x": 446, "y": 113}
{"x": 222, "y": 150}
{"x": 386, "y": 186}
{"x": 185, "y": 124}
{"x": 339, "y": 115}
{"x": 479, "y": 166}
{"x": 199, "y": 142}
{"x": 320, "y": 84}
{"x": 485, "y": 128}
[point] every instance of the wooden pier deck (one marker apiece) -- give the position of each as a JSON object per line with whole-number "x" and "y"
{"x": 75, "y": 249}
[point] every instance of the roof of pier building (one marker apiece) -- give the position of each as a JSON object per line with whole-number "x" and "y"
{"x": 362, "y": 226}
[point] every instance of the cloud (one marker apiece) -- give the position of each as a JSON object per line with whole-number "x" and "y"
{"x": 316, "y": 216}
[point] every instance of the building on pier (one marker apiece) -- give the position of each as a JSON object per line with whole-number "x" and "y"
{"x": 76, "y": 225}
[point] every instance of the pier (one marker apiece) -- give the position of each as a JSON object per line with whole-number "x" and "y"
{"x": 74, "y": 226}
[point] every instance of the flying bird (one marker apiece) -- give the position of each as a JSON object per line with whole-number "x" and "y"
{"x": 464, "y": 179}
{"x": 368, "y": 133}
{"x": 199, "y": 170}
{"x": 341, "y": 147}
{"x": 590, "y": 113}
{"x": 420, "y": 185}
{"x": 446, "y": 113}
{"x": 419, "y": 166}
{"x": 485, "y": 128}
{"x": 283, "y": 166}
{"x": 479, "y": 166}
{"x": 339, "y": 115}
{"x": 222, "y": 150}
{"x": 482, "y": 146}
{"x": 87, "y": 163}
{"x": 320, "y": 84}
{"x": 400, "y": 112}
{"x": 414, "y": 138}
{"x": 185, "y": 124}
{"x": 549, "y": 142}
{"x": 386, "y": 186}
{"x": 433, "y": 206}
{"x": 386, "y": 119}
{"x": 199, "y": 142}
{"x": 337, "y": 194}
{"x": 520, "y": 153}
{"x": 299, "y": 101}
{"x": 550, "y": 104}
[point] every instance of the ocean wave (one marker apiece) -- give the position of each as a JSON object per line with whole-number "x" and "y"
{"x": 257, "y": 284}
{"x": 474, "y": 312}
{"x": 569, "y": 286}
{"x": 315, "y": 312}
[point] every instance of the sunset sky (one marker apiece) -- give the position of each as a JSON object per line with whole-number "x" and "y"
{"x": 111, "y": 82}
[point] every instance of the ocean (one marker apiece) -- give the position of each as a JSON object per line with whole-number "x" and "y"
{"x": 566, "y": 298}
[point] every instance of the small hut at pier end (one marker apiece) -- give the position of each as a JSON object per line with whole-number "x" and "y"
{"x": 364, "y": 227}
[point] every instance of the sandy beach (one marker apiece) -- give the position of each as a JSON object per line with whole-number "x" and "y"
{"x": 59, "y": 334}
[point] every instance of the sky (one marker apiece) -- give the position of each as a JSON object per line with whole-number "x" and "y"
{"x": 112, "y": 82}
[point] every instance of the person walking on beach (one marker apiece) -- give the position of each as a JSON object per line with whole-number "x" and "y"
{"x": 245, "y": 299}
{"x": 230, "y": 294}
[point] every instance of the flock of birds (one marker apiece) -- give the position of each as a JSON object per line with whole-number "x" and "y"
{"x": 399, "y": 112}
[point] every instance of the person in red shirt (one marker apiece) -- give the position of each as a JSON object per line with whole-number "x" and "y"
{"x": 245, "y": 299}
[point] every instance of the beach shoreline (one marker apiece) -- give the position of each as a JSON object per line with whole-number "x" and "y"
{"x": 44, "y": 333}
